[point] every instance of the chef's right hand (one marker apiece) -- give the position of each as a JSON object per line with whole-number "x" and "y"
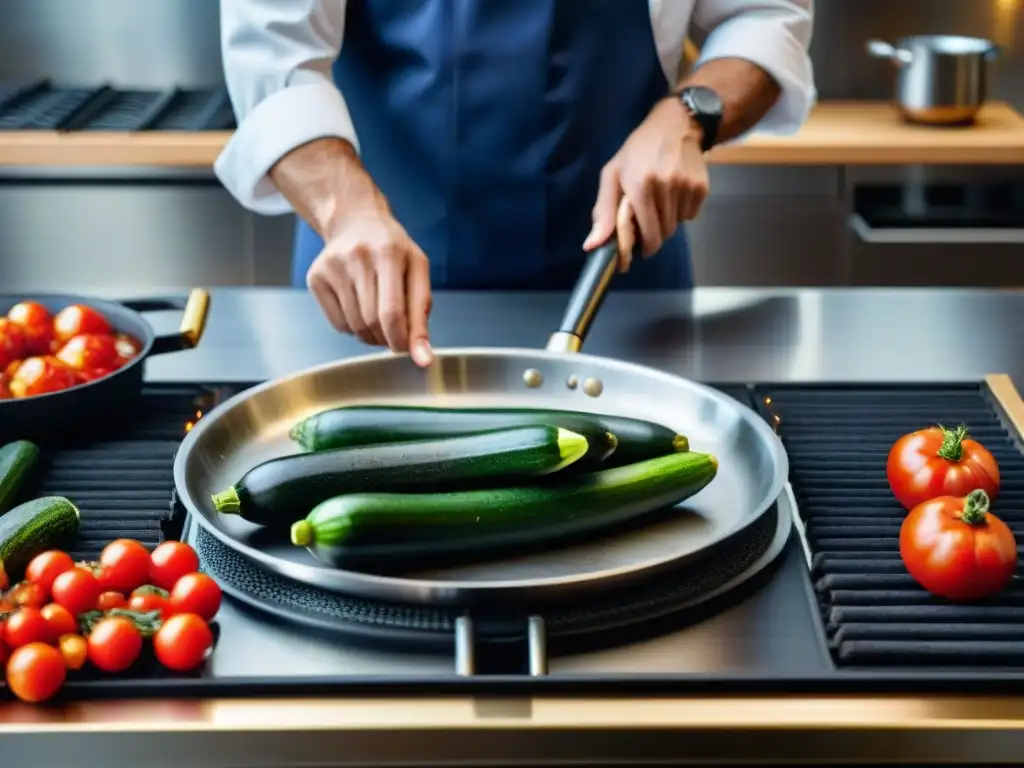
{"x": 372, "y": 281}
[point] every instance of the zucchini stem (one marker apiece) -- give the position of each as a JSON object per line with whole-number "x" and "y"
{"x": 227, "y": 502}
{"x": 302, "y": 533}
{"x": 300, "y": 433}
{"x": 571, "y": 447}
{"x": 680, "y": 443}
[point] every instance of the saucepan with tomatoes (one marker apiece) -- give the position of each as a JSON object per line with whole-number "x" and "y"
{"x": 71, "y": 363}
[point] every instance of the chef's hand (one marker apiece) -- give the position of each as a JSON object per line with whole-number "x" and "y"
{"x": 371, "y": 280}
{"x": 657, "y": 180}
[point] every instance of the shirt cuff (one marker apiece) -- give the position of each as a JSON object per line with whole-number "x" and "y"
{"x": 779, "y": 53}
{"x": 281, "y": 122}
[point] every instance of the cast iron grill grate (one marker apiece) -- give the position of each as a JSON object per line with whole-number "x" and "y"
{"x": 875, "y": 614}
{"x": 42, "y": 106}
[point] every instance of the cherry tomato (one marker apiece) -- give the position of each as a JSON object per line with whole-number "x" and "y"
{"x": 127, "y": 346}
{"x": 937, "y": 462}
{"x": 77, "y": 319}
{"x": 89, "y": 351}
{"x": 59, "y": 620}
{"x": 27, "y": 625}
{"x": 114, "y": 644}
{"x": 35, "y": 672}
{"x": 147, "y": 600}
{"x": 125, "y": 565}
{"x": 74, "y": 649}
{"x": 77, "y": 590}
{"x": 28, "y": 595}
{"x": 108, "y": 600}
{"x": 13, "y": 342}
{"x": 35, "y": 319}
{"x": 170, "y": 561}
{"x": 195, "y": 593}
{"x": 955, "y": 548}
{"x": 183, "y": 642}
{"x": 41, "y": 375}
{"x": 47, "y": 566}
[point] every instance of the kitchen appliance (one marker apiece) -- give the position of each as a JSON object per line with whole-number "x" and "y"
{"x": 86, "y": 407}
{"x": 941, "y": 79}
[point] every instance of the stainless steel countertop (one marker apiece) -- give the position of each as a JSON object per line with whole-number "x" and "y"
{"x": 710, "y": 334}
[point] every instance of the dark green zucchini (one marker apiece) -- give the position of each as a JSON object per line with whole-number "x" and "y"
{"x": 283, "y": 490}
{"x": 17, "y": 460}
{"x": 35, "y": 527}
{"x": 394, "y": 525}
{"x": 614, "y": 440}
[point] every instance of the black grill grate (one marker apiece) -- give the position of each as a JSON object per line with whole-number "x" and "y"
{"x": 875, "y": 614}
{"x": 42, "y": 106}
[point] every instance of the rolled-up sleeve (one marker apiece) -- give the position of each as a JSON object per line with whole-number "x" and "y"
{"x": 277, "y": 64}
{"x": 773, "y": 34}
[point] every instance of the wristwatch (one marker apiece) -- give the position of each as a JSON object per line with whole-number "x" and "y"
{"x": 705, "y": 107}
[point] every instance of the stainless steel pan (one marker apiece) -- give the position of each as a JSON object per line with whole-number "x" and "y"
{"x": 253, "y": 427}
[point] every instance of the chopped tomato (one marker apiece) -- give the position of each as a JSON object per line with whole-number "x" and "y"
{"x": 110, "y": 599}
{"x": 114, "y": 644}
{"x": 89, "y": 352}
{"x": 27, "y": 625}
{"x": 35, "y": 672}
{"x": 78, "y": 319}
{"x": 77, "y": 590}
{"x": 35, "y": 319}
{"x": 98, "y": 373}
{"x": 13, "y": 342}
{"x": 170, "y": 561}
{"x": 196, "y": 593}
{"x": 125, "y": 565}
{"x": 127, "y": 346}
{"x": 937, "y": 462}
{"x": 74, "y": 649}
{"x": 183, "y": 642}
{"x": 41, "y": 375}
{"x": 28, "y": 595}
{"x": 47, "y": 566}
{"x": 59, "y": 619}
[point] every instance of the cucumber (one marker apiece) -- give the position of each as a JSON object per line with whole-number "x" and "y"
{"x": 17, "y": 460}
{"x": 614, "y": 440}
{"x": 397, "y": 525}
{"x": 283, "y": 490}
{"x": 35, "y": 527}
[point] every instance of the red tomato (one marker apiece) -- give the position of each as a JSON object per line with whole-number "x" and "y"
{"x": 74, "y": 650}
{"x": 78, "y": 319}
{"x": 955, "y": 548}
{"x": 114, "y": 644}
{"x": 77, "y": 590}
{"x": 35, "y": 672}
{"x": 47, "y": 566}
{"x": 127, "y": 346}
{"x": 939, "y": 462}
{"x": 147, "y": 600}
{"x": 35, "y": 319}
{"x": 108, "y": 600}
{"x": 125, "y": 565}
{"x": 27, "y": 595}
{"x": 98, "y": 373}
{"x": 5, "y": 652}
{"x": 170, "y": 561}
{"x": 89, "y": 352}
{"x": 183, "y": 642}
{"x": 40, "y": 375}
{"x": 27, "y": 625}
{"x": 195, "y": 593}
{"x": 13, "y": 342}
{"x": 59, "y": 619}
{"x": 5, "y": 388}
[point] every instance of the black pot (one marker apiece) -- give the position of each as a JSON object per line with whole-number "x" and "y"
{"x": 97, "y": 406}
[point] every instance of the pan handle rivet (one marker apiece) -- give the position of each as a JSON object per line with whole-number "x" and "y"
{"x": 573, "y": 381}
{"x": 533, "y": 378}
{"x": 593, "y": 387}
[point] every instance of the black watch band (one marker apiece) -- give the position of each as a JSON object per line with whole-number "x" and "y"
{"x": 705, "y": 107}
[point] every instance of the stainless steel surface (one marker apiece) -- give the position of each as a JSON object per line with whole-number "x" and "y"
{"x": 936, "y": 236}
{"x": 941, "y": 79}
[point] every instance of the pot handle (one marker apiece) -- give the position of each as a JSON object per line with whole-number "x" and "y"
{"x": 194, "y": 310}
{"x": 586, "y": 298}
{"x": 880, "y": 49}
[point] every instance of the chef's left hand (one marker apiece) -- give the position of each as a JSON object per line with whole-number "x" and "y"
{"x": 657, "y": 180}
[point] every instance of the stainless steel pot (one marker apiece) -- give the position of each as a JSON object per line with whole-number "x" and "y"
{"x": 942, "y": 79}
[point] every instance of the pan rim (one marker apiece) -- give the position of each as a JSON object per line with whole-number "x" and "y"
{"x": 434, "y": 590}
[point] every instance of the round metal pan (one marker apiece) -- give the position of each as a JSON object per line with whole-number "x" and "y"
{"x": 253, "y": 427}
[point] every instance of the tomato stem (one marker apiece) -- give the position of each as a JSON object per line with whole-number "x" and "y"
{"x": 975, "y": 507}
{"x": 952, "y": 443}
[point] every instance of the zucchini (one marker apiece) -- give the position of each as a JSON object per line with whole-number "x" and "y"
{"x": 614, "y": 440}
{"x": 384, "y": 525}
{"x": 17, "y": 460}
{"x": 283, "y": 490}
{"x": 35, "y": 527}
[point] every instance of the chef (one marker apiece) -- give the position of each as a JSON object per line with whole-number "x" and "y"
{"x": 458, "y": 144}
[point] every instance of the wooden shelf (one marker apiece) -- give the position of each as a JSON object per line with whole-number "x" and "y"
{"x": 837, "y": 133}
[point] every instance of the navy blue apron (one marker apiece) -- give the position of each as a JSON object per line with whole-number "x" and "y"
{"x": 486, "y": 123}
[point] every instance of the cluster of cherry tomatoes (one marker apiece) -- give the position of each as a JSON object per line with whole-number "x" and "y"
{"x": 65, "y": 614}
{"x": 950, "y": 542}
{"x": 41, "y": 354}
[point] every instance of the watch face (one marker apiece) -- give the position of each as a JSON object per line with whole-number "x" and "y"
{"x": 705, "y": 101}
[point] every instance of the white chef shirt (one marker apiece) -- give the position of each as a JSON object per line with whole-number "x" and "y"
{"x": 278, "y": 58}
